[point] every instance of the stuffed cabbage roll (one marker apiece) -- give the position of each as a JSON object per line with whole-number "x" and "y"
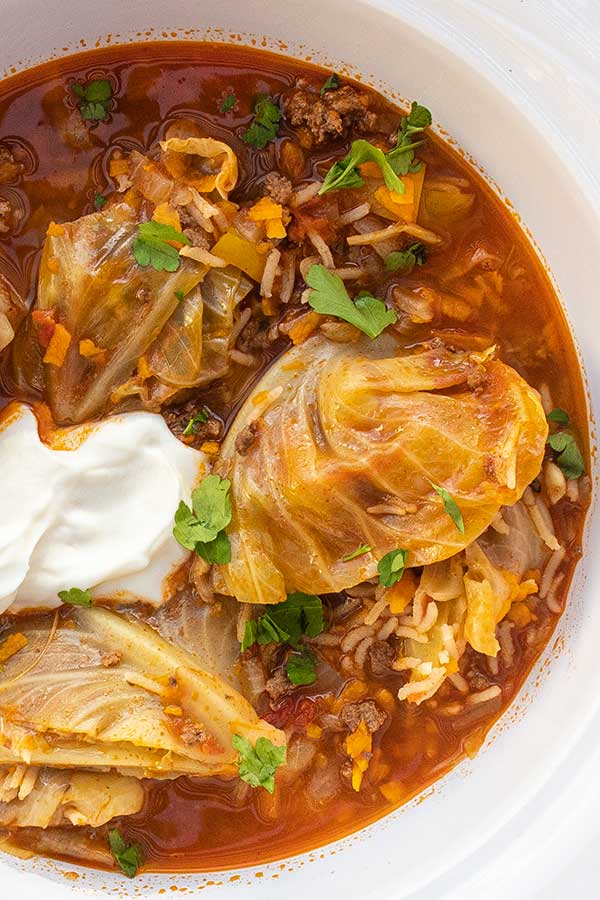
{"x": 341, "y": 446}
{"x": 44, "y": 798}
{"x": 97, "y": 690}
{"x": 132, "y": 307}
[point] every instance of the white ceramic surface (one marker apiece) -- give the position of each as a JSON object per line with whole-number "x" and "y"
{"x": 516, "y": 85}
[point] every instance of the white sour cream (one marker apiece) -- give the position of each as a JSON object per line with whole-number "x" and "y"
{"x": 97, "y": 516}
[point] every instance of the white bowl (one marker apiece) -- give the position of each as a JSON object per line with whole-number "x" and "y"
{"x": 505, "y": 823}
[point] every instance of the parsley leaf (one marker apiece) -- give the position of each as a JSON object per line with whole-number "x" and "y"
{"x": 215, "y": 551}
{"x": 406, "y": 260}
{"x": 286, "y": 622}
{"x": 330, "y": 297}
{"x": 300, "y": 666}
{"x": 364, "y": 548}
{"x": 332, "y": 84}
{"x": 180, "y": 295}
{"x": 95, "y": 99}
{"x": 265, "y": 124}
{"x": 402, "y": 157}
{"x": 559, "y": 416}
{"x": 202, "y": 528}
{"x": 100, "y": 201}
{"x": 228, "y": 103}
{"x": 391, "y": 567}
{"x": 570, "y": 460}
{"x": 450, "y": 506}
{"x": 344, "y": 173}
{"x": 76, "y": 597}
{"x": 127, "y": 856}
{"x": 257, "y": 765}
{"x": 150, "y": 247}
{"x": 199, "y": 419}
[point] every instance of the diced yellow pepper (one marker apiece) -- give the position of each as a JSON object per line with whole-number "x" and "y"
{"x": 403, "y": 206}
{"x": 58, "y": 346}
{"x": 237, "y": 251}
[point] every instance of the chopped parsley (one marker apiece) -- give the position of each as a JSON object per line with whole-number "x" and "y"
{"x": 399, "y": 161}
{"x": 405, "y": 260}
{"x": 330, "y": 297}
{"x": 127, "y": 856}
{"x": 228, "y": 103}
{"x": 559, "y": 416}
{"x": 265, "y": 125}
{"x": 391, "y": 567}
{"x": 180, "y": 295}
{"x": 402, "y": 157}
{"x": 100, "y": 201}
{"x": 202, "y": 529}
{"x": 76, "y": 597}
{"x": 569, "y": 460}
{"x": 300, "y": 614}
{"x": 95, "y": 98}
{"x": 332, "y": 84}
{"x": 199, "y": 419}
{"x": 152, "y": 248}
{"x": 257, "y": 765}
{"x": 364, "y": 548}
{"x": 300, "y": 666}
{"x": 450, "y": 506}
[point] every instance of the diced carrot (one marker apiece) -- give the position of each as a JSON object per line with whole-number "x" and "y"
{"x": 58, "y": 346}
{"x": 275, "y": 228}
{"x": 165, "y": 214}
{"x": 173, "y": 710}
{"x": 118, "y": 167}
{"x": 55, "y": 230}
{"x": 400, "y": 594}
{"x": 403, "y": 206}
{"x": 392, "y": 791}
{"x": 265, "y": 209}
{"x": 43, "y": 320}
{"x": 520, "y": 614}
{"x": 304, "y": 326}
{"x": 370, "y": 170}
{"x": 313, "y": 731}
{"x": 12, "y": 645}
{"x": 53, "y": 264}
{"x": 210, "y": 447}
{"x": 88, "y": 348}
{"x": 143, "y": 369}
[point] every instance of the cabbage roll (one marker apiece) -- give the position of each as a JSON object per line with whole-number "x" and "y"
{"x": 99, "y": 690}
{"x": 347, "y": 442}
{"x": 31, "y": 797}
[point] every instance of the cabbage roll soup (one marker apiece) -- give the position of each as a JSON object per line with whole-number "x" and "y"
{"x": 293, "y": 457}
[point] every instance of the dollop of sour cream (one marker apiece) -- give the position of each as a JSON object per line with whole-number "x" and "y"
{"x": 98, "y": 515}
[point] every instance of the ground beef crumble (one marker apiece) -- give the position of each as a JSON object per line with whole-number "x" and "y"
{"x": 330, "y": 116}
{"x": 381, "y": 655}
{"x": 192, "y": 733}
{"x": 247, "y": 437}
{"x": 278, "y": 187}
{"x": 366, "y": 711}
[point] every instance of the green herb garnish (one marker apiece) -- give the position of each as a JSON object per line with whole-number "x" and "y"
{"x": 151, "y": 247}
{"x": 257, "y": 765}
{"x": 300, "y": 614}
{"x": 559, "y": 416}
{"x": 344, "y": 173}
{"x": 76, "y": 597}
{"x": 180, "y": 295}
{"x": 202, "y": 528}
{"x": 402, "y": 157}
{"x": 330, "y": 297}
{"x": 406, "y": 260}
{"x": 95, "y": 99}
{"x": 332, "y": 84}
{"x": 364, "y": 548}
{"x": 300, "y": 666}
{"x": 127, "y": 856}
{"x": 391, "y": 567}
{"x": 450, "y": 506}
{"x": 228, "y": 103}
{"x": 265, "y": 124}
{"x": 199, "y": 419}
{"x": 100, "y": 201}
{"x": 399, "y": 161}
{"x": 570, "y": 460}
